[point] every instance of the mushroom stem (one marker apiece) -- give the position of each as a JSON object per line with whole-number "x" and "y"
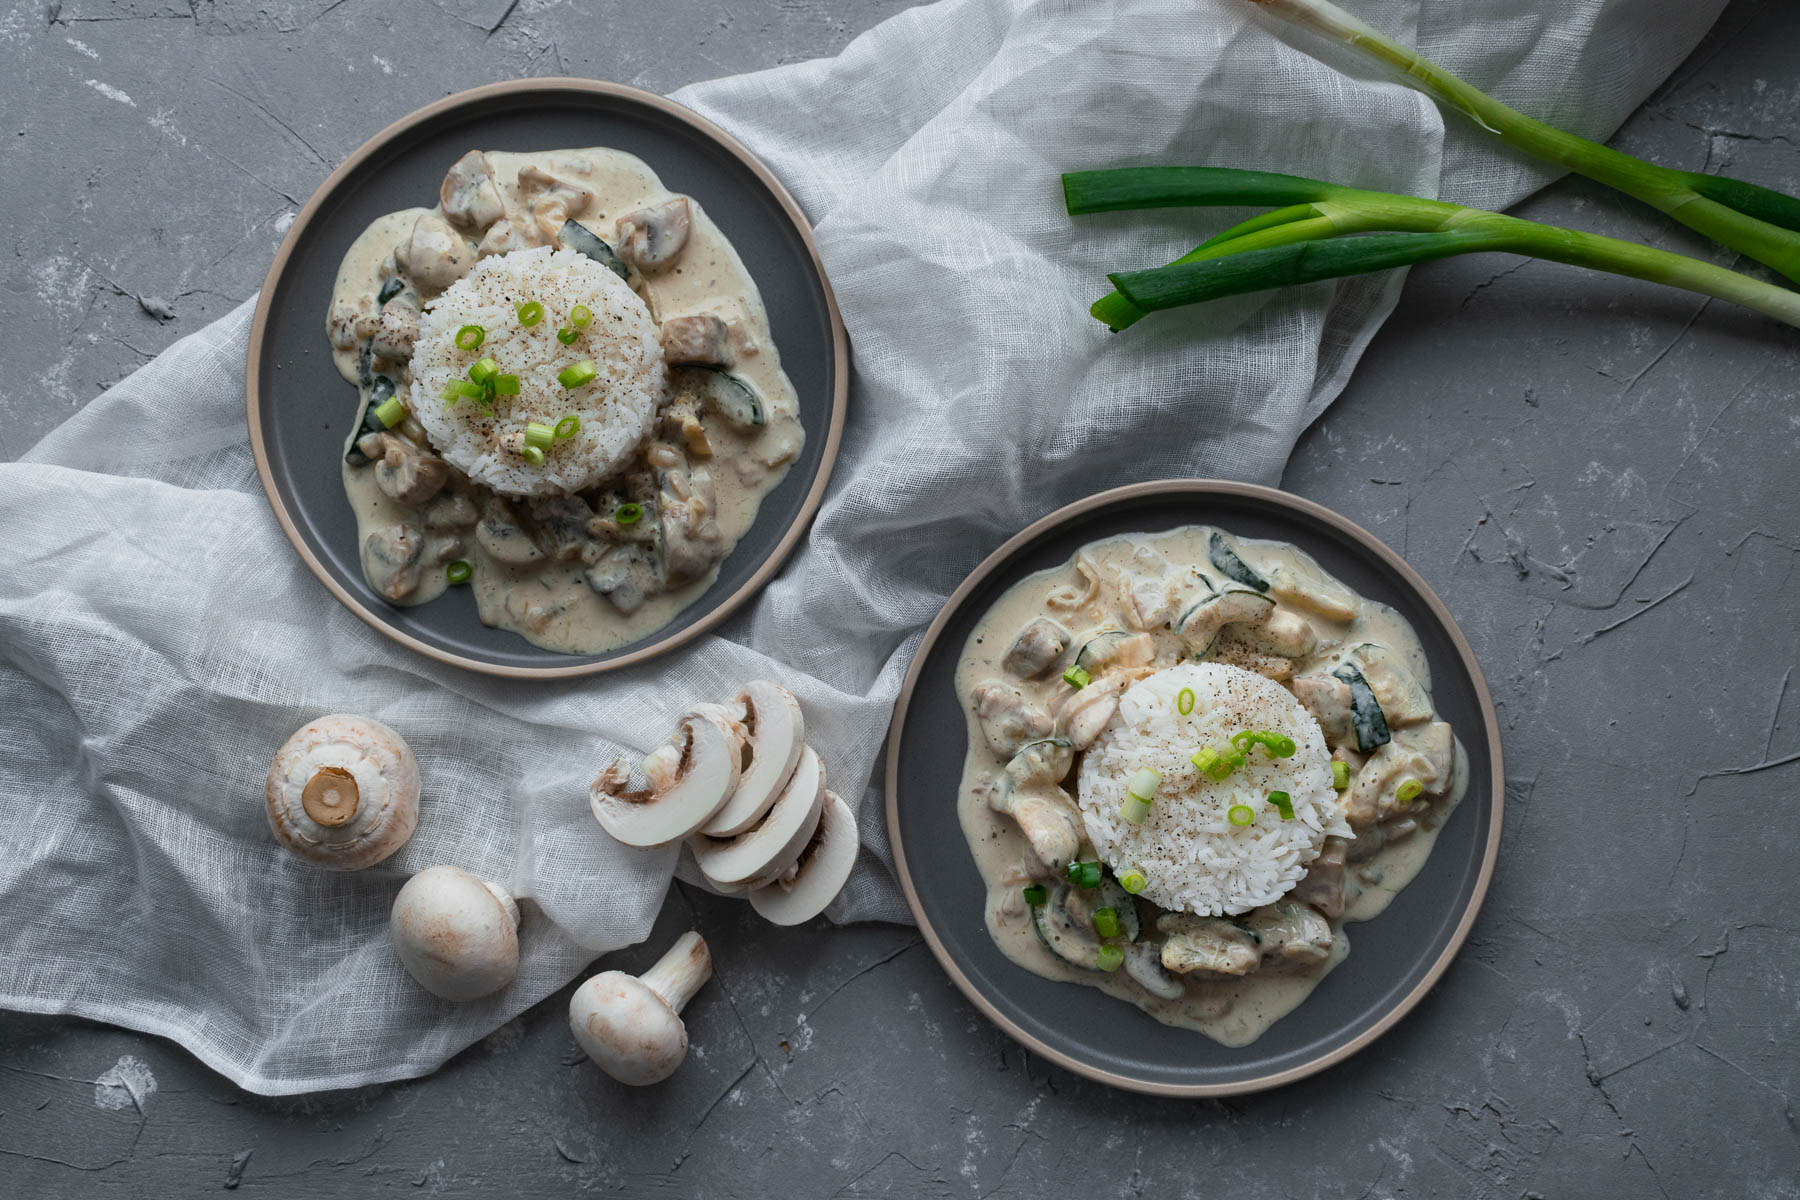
{"x": 506, "y": 901}
{"x": 330, "y": 797}
{"x": 680, "y": 973}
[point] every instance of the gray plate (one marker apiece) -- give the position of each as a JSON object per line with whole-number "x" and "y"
{"x": 1394, "y": 959}
{"x": 300, "y": 408}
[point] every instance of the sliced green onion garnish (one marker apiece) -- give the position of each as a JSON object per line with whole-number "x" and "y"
{"x": 530, "y": 313}
{"x": 1133, "y": 810}
{"x": 458, "y": 571}
{"x": 463, "y": 389}
{"x": 532, "y": 455}
{"x": 1085, "y": 874}
{"x": 1106, "y": 921}
{"x": 538, "y": 434}
{"x": 1240, "y": 814}
{"x": 1036, "y": 894}
{"x": 1212, "y": 764}
{"x": 1144, "y": 783}
{"x": 1280, "y": 745}
{"x": 1236, "y": 758}
{"x": 568, "y": 427}
{"x": 470, "y": 337}
{"x": 576, "y": 375}
{"x": 1133, "y": 881}
{"x": 506, "y": 385}
{"x": 1409, "y": 790}
{"x": 1077, "y": 677}
{"x": 580, "y": 315}
{"x": 566, "y": 335}
{"x": 1244, "y": 739}
{"x": 1111, "y": 958}
{"x": 1184, "y": 701}
{"x": 628, "y": 513}
{"x": 390, "y": 412}
{"x": 1283, "y": 803}
{"x": 484, "y": 372}
{"x": 1340, "y": 774}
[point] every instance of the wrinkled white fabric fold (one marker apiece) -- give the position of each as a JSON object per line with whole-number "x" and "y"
{"x": 159, "y": 638}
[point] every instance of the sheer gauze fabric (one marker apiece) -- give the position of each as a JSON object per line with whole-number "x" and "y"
{"x": 159, "y": 638}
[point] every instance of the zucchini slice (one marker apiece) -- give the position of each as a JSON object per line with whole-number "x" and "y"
{"x": 1101, "y": 649}
{"x": 1233, "y": 567}
{"x": 578, "y": 237}
{"x": 734, "y": 397}
{"x": 1065, "y": 921}
{"x": 1367, "y": 720}
{"x": 1402, "y": 698}
{"x": 1235, "y": 605}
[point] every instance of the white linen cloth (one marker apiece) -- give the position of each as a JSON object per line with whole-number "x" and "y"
{"x": 159, "y": 639}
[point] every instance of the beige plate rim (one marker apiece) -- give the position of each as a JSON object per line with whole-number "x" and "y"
{"x": 1277, "y": 499}
{"x": 401, "y": 129}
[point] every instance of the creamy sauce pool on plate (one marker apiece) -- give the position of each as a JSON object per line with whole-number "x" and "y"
{"x": 1233, "y": 1012}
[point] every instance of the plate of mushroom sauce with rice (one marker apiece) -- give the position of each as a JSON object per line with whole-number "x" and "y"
{"x": 1194, "y": 759}
{"x": 570, "y": 399}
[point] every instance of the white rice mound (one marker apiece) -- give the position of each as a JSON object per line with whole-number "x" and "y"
{"x": 1192, "y": 857}
{"x": 617, "y": 409}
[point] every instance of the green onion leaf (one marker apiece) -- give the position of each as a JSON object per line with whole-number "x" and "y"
{"x": 1077, "y": 677}
{"x": 1409, "y": 790}
{"x": 464, "y": 389}
{"x": 1184, "y": 701}
{"x": 1283, "y": 804}
{"x": 390, "y": 412}
{"x": 458, "y": 571}
{"x": 1280, "y": 745}
{"x": 530, "y": 313}
{"x": 1133, "y": 881}
{"x": 470, "y": 337}
{"x": 484, "y": 372}
{"x": 568, "y": 427}
{"x": 506, "y": 385}
{"x": 532, "y": 455}
{"x": 1036, "y": 894}
{"x": 539, "y": 435}
{"x": 1133, "y": 810}
{"x": 1106, "y": 921}
{"x": 580, "y": 315}
{"x": 576, "y": 375}
{"x": 628, "y": 513}
{"x": 1240, "y": 814}
{"x": 1111, "y": 958}
{"x": 566, "y": 335}
{"x": 1340, "y": 774}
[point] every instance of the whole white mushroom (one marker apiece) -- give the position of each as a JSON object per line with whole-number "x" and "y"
{"x": 631, "y": 1026}
{"x": 343, "y": 792}
{"x": 456, "y": 933}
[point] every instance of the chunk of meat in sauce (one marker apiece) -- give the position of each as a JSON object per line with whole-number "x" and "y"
{"x": 1323, "y": 885}
{"x": 396, "y": 329}
{"x": 1038, "y": 645}
{"x": 391, "y": 560}
{"x": 1207, "y": 946}
{"x": 434, "y": 256}
{"x": 551, "y": 201}
{"x": 353, "y": 322}
{"x": 625, "y": 575}
{"x": 468, "y": 195}
{"x": 1008, "y": 719}
{"x": 563, "y": 524}
{"x": 651, "y": 239}
{"x": 699, "y": 339}
{"x": 1290, "y": 935}
{"x": 405, "y": 473}
{"x": 690, "y": 527}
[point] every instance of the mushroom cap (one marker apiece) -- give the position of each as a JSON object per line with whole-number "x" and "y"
{"x": 627, "y": 1029}
{"x": 456, "y": 933}
{"x": 343, "y": 792}
{"x": 821, "y": 872}
{"x": 777, "y": 732}
{"x": 775, "y": 843}
{"x": 681, "y": 798}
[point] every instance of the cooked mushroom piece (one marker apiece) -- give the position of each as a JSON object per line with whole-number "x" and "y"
{"x": 550, "y": 200}
{"x": 804, "y": 890}
{"x": 563, "y": 523}
{"x": 631, "y": 1026}
{"x": 1008, "y": 719}
{"x": 451, "y": 512}
{"x": 407, "y": 474}
{"x": 1323, "y": 884}
{"x": 626, "y": 576}
{"x": 1207, "y": 945}
{"x": 396, "y": 329}
{"x": 777, "y": 842}
{"x": 468, "y": 195}
{"x": 501, "y": 238}
{"x": 455, "y": 933}
{"x": 343, "y": 792}
{"x": 688, "y": 509}
{"x": 434, "y": 256}
{"x": 700, "y": 339}
{"x": 1291, "y": 934}
{"x": 690, "y": 778}
{"x": 774, "y": 732}
{"x": 502, "y": 534}
{"x": 1143, "y": 962}
{"x": 1424, "y": 753}
{"x": 1038, "y": 645}
{"x": 650, "y": 239}
{"x": 390, "y": 560}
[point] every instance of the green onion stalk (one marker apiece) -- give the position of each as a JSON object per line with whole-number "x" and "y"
{"x": 1756, "y": 221}
{"x": 1301, "y": 240}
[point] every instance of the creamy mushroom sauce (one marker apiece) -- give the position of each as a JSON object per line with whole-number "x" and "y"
{"x": 1091, "y": 594}
{"x": 550, "y": 603}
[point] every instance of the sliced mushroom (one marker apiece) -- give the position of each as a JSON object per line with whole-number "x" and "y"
{"x": 455, "y": 933}
{"x": 406, "y": 474}
{"x": 778, "y": 840}
{"x": 1143, "y": 962}
{"x": 390, "y": 560}
{"x": 502, "y": 534}
{"x": 1008, "y": 719}
{"x": 1207, "y": 945}
{"x": 631, "y": 1027}
{"x": 626, "y": 576}
{"x": 700, "y": 339}
{"x": 650, "y": 239}
{"x": 775, "y": 733}
{"x": 1290, "y": 935}
{"x": 562, "y": 521}
{"x": 691, "y": 777}
{"x": 451, "y": 512}
{"x": 804, "y": 891}
{"x": 468, "y": 195}
{"x": 550, "y": 200}
{"x": 1038, "y": 645}
{"x": 343, "y": 792}
{"x": 434, "y": 256}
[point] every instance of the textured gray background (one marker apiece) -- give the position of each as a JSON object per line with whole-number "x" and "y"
{"x": 1596, "y": 475}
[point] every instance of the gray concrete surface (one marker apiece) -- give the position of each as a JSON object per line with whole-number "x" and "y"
{"x": 1597, "y": 476}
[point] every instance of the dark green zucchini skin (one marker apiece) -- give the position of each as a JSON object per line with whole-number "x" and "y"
{"x": 575, "y": 236}
{"x": 1233, "y": 567}
{"x": 1366, "y": 718}
{"x": 734, "y": 397}
{"x": 380, "y": 389}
